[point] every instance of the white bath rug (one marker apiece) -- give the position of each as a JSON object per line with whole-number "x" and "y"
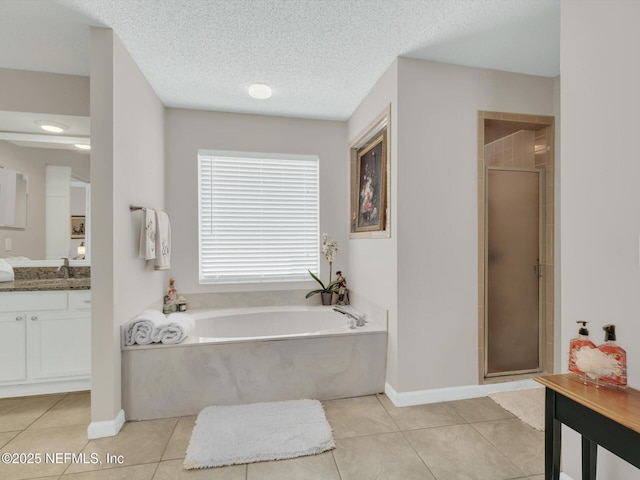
{"x": 233, "y": 434}
{"x": 527, "y": 405}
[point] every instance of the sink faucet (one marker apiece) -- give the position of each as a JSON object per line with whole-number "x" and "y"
{"x": 65, "y": 267}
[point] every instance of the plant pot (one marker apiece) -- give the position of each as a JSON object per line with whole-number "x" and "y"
{"x": 326, "y": 298}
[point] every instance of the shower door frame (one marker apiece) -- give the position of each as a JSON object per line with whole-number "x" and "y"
{"x": 541, "y": 270}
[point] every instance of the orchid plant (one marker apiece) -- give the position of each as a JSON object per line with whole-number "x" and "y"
{"x": 329, "y": 249}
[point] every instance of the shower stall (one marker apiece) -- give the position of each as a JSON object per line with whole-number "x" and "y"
{"x": 516, "y": 245}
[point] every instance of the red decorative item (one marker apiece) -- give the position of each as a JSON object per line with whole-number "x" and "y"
{"x": 617, "y": 375}
{"x": 581, "y": 341}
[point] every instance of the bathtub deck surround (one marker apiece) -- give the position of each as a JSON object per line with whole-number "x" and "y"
{"x": 241, "y": 299}
{"x": 324, "y": 360}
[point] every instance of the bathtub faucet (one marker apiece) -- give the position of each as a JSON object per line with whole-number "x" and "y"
{"x": 360, "y": 318}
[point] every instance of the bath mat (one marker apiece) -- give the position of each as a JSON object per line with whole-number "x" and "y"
{"x": 527, "y": 405}
{"x": 233, "y": 434}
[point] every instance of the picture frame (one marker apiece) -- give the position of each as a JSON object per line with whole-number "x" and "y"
{"x": 78, "y": 226}
{"x": 372, "y": 185}
{"x": 370, "y": 179}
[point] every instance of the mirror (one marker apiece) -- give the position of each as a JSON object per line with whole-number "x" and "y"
{"x": 13, "y": 199}
{"x": 54, "y": 177}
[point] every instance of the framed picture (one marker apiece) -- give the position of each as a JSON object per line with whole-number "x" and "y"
{"x": 78, "y": 226}
{"x": 369, "y": 171}
{"x": 372, "y": 188}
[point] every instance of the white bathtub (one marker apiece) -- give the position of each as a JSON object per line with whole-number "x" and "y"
{"x": 269, "y": 323}
{"x": 255, "y": 354}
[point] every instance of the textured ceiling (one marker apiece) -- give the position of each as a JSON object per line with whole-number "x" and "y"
{"x": 321, "y": 57}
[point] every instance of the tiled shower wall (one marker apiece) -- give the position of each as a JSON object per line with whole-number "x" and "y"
{"x": 522, "y": 149}
{"x": 515, "y": 150}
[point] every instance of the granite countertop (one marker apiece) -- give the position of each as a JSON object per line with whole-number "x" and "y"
{"x": 35, "y": 279}
{"x": 45, "y": 284}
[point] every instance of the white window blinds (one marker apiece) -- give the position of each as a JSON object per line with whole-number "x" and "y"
{"x": 258, "y": 217}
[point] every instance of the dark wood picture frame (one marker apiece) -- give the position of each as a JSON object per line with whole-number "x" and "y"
{"x": 369, "y": 185}
{"x": 372, "y": 185}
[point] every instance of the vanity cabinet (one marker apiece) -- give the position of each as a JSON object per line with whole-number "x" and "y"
{"x": 13, "y": 353}
{"x": 46, "y": 342}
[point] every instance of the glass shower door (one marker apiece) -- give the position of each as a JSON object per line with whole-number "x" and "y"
{"x": 513, "y": 320}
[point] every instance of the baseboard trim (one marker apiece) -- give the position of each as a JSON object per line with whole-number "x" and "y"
{"x": 564, "y": 476}
{"x": 421, "y": 397}
{"x": 107, "y": 428}
{"x": 45, "y": 388}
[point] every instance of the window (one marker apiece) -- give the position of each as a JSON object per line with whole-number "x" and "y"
{"x": 258, "y": 217}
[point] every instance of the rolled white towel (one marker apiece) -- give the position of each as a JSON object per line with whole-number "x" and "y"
{"x": 140, "y": 329}
{"x": 177, "y": 327}
{"x": 6, "y": 272}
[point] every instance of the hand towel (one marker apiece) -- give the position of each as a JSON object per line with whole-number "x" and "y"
{"x": 177, "y": 327}
{"x": 163, "y": 241}
{"x": 6, "y": 272}
{"x": 148, "y": 235}
{"x": 140, "y": 329}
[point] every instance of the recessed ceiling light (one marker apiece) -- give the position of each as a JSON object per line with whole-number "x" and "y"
{"x": 82, "y": 146}
{"x": 52, "y": 127}
{"x": 260, "y": 91}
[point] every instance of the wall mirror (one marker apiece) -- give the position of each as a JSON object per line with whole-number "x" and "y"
{"x": 13, "y": 199}
{"x": 54, "y": 193}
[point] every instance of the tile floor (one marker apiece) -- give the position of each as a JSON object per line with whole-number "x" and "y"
{"x": 468, "y": 439}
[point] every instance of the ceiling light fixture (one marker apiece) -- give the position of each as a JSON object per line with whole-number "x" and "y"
{"x": 52, "y": 127}
{"x": 260, "y": 91}
{"x": 82, "y": 146}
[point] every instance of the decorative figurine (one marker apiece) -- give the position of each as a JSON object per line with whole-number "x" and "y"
{"x": 171, "y": 298}
{"x": 343, "y": 293}
{"x": 172, "y": 292}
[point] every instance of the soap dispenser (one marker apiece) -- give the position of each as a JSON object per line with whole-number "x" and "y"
{"x": 581, "y": 341}
{"x": 615, "y": 372}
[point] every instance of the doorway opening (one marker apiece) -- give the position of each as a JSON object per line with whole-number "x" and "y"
{"x": 515, "y": 239}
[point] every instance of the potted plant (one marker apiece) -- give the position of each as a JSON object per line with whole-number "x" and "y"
{"x": 329, "y": 250}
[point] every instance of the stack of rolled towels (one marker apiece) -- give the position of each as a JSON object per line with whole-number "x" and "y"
{"x": 151, "y": 326}
{"x": 6, "y": 271}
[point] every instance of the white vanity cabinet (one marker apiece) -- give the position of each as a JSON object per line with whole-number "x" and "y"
{"x": 13, "y": 347}
{"x": 45, "y": 340}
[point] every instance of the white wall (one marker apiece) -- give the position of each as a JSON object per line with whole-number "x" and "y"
{"x": 373, "y": 271}
{"x": 426, "y": 274}
{"x": 127, "y": 167}
{"x": 188, "y": 131}
{"x": 30, "y": 242}
{"x": 438, "y": 212}
{"x": 41, "y": 92}
{"x": 600, "y": 195}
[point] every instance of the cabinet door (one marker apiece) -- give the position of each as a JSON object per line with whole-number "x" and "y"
{"x": 59, "y": 344}
{"x": 13, "y": 355}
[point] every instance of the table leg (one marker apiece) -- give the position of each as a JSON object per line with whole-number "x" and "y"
{"x": 552, "y": 438}
{"x": 589, "y": 458}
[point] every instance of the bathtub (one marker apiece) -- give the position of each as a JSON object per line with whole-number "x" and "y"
{"x": 256, "y": 354}
{"x": 269, "y": 323}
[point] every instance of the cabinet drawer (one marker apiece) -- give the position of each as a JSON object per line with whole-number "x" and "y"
{"x": 31, "y": 301}
{"x": 80, "y": 300}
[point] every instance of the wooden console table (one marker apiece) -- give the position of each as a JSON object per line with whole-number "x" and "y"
{"x": 603, "y": 416}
